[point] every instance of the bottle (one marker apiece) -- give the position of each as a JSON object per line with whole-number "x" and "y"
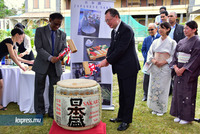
{"x": 63, "y": 65}
{"x": 3, "y": 61}
{"x": 6, "y": 60}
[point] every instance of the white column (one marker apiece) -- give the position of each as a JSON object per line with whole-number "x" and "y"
{"x": 1, "y": 25}
{"x": 146, "y": 20}
{"x": 4, "y": 21}
{"x": 181, "y": 18}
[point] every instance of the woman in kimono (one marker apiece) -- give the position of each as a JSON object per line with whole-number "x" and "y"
{"x": 159, "y": 56}
{"x": 186, "y": 64}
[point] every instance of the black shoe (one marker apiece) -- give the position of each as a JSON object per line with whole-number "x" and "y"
{"x": 51, "y": 116}
{"x": 123, "y": 126}
{"x": 144, "y": 99}
{"x": 116, "y": 120}
{"x": 40, "y": 114}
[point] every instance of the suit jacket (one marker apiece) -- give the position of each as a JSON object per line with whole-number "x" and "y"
{"x": 178, "y": 33}
{"x": 121, "y": 53}
{"x": 146, "y": 45}
{"x": 43, "y": 46}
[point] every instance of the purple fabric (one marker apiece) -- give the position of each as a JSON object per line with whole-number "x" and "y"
{"x": 185, "y": 86}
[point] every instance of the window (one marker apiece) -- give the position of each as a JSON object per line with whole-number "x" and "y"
{"x": 142, "y": 22}
{"x": 151, "y": 2}
{"x": 68, "y": 3}
{"x": 35, "y": 4}
{"x": 133, "y": 3}
{"x": 159, "y": 2}
{"x": 175, "y": 2}
{"x": 123, "y": 3}
{"x": 46, "y": 3}
{"x": 143, "y": 3}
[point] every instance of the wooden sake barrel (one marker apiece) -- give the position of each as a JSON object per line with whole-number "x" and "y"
{"x": 77, "y": 104}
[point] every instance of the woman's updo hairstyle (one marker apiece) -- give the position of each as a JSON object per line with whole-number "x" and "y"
{"x": 17, "y": 30}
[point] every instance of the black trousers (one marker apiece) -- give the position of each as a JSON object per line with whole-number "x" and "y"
{"x": 1, "y": 77}
{"x": 146, "y": 85}
{"x": 127, "y": 89}
{"x": 40, "y": 80}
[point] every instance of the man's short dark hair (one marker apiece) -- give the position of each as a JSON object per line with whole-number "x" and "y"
{"x": 163, "y": 8}
{"x": 164, "y": 12}
{"x": 113, "y": 12}
{"x": 56, "y": 16}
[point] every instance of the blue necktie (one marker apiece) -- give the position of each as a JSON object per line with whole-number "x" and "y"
{"x": 52, "y": 40}
{"x": 153, "y": 37}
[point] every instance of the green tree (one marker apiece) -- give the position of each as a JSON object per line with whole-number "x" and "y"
{"x": 4, "y": 11}
{"x": 4, "y": 34}
{"x": 30, "y": 33}
{"x": 23, "y": 8}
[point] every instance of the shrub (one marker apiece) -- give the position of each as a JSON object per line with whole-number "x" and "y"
{"x": 140, "y": 46}
{"x": 4, "y": 34}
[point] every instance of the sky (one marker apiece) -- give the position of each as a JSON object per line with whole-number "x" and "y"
{"x": 14, "y": 3}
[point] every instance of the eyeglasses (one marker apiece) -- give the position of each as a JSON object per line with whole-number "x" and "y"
{"x": 170, "y": 16}
{"x": 108, "y": 20}
{"x": 56, "y": 24}
{"x": 151, "y": 29}
{"x": 162, "y": 16}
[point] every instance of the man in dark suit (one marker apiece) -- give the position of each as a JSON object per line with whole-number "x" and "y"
{"x": 123, "y": 58}
{"x": 176, "y": 33}
{"x": 49, "y": 42}
{"x": 152, "y": 29}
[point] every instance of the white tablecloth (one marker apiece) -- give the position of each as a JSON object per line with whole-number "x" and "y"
{"x": 10, "y": 83}
{"x": 19, "y": 87}
{"x": 26, "y": 91}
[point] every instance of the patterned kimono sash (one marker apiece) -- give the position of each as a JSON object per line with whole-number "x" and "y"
{"x": 161, "y": 56}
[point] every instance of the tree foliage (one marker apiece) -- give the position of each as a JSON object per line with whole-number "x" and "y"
{"x": 4, "y": 34}
{"x": 4, "y": 11}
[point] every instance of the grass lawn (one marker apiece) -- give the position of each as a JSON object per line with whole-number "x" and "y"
{"x": 143, "y": 121}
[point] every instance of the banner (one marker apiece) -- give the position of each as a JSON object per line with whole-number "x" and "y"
{"x": 91, "y": 35}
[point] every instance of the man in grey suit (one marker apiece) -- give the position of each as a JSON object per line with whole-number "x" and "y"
{"x": 49, "y": 42}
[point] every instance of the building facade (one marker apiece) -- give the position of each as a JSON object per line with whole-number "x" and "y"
{"x": 194, "y": 12}
{"x": 143, "y": 11}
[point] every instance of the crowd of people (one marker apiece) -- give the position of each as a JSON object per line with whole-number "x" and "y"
{"x": 173, "y": 64}
{"x": 171, "y": 51}
{"x": 168, "y": 55}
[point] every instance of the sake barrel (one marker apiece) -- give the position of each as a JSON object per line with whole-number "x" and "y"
{"x": 77, "y": 104}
